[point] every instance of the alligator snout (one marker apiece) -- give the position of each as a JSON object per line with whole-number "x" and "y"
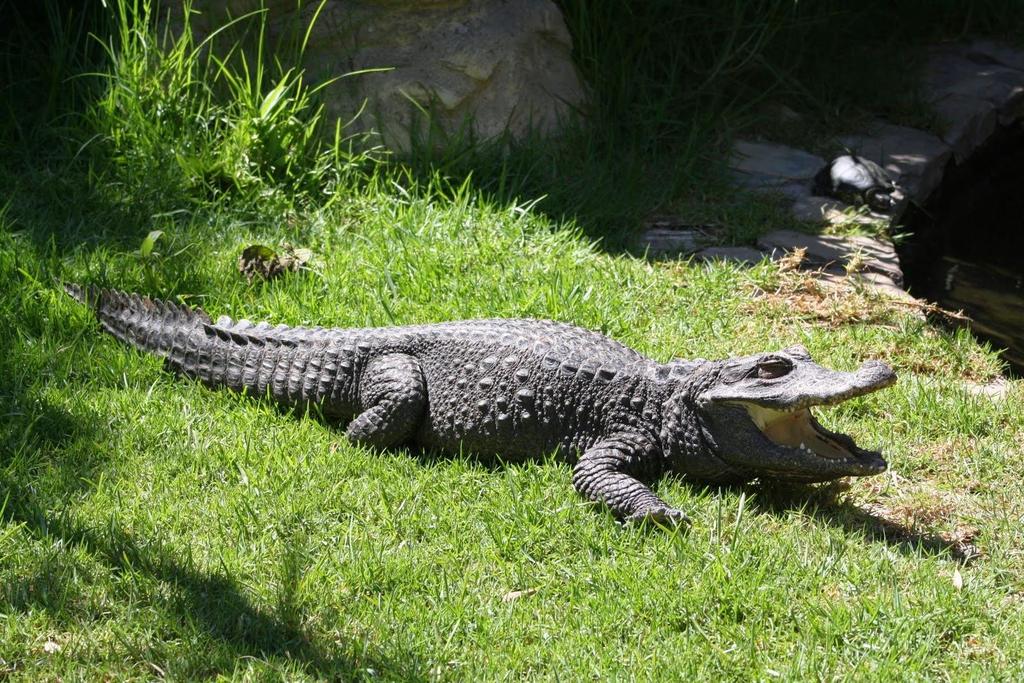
{"x": 875, "y": 374}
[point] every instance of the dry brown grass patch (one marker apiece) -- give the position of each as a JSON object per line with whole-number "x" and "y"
{"x": 920, "y": 511}
{"x": 805, "y": 295}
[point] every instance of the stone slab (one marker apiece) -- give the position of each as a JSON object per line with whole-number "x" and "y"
{"x": 796, "y": 191}
{"x": 956, "y": 71}
{"x": 879, "y": 282}
{"x": 875, "y": 282}
{"x": 968, "y": 123}
{"x": 821, "y": 210}
{"x": 828, "y": 211}
{"x": 759, "y": 183}
{"x": 875, "y": 255}
{"x": 917, "y": 159}
{"x": 970, "y": 92}
{"x": 769, "y": 160}
{"x": 667, "y": 241}
{"x": 1012, "y": 112}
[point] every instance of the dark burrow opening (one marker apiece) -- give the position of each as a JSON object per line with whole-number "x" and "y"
{"x": 964, "y": 248}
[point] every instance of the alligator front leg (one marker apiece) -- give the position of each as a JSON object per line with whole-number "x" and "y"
{"x": 393, "y": 396}
{"x": 603, "y": 474}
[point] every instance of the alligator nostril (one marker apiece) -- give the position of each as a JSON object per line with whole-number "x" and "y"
{"x": 798, "y": 350}
{"x": 877, "y": 371}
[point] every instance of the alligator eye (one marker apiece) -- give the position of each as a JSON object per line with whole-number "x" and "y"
{"x": 773, "y": 368}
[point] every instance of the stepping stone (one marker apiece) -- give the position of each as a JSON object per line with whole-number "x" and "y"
{"x": 835, "y": 253}
{"x": 916, "y": 158}
{"x": 795, "y": 190}
{"x": 762, "y": 165}
{"x": 884, "y": 284}
{"x": 958, "y": 71}
{"x": 821, "y": 210}
{"x": 828, "y": 211}
{"x": 660, "y": 242}
{"x": 668, "y": 234}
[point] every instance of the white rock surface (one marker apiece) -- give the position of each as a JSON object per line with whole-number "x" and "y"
{"x": 477, "y": 65}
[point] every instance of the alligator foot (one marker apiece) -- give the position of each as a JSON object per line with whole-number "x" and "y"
{"x": 394, "y": 398}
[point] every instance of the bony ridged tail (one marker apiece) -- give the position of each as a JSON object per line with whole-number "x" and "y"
{"x": 239, "y": 356}
{"x": 147, "y": 324}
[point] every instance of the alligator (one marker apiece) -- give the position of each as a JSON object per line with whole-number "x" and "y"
{"x": 517, "y": 389}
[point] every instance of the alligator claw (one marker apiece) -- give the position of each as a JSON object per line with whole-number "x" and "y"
{"x": 661, "y": 516}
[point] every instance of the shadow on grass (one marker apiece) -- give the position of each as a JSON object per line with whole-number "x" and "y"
{"x": 50, "y": 457}
{"x": 215, "y": 604}
{"x": 822, "y": 504}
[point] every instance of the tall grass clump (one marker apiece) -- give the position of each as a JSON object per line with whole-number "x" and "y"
{"x": 42, "y": 46}
{"x": 183, "y": 121}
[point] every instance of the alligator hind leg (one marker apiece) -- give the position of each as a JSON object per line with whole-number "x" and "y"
{"x": 393, "y": 396}
{"x": 603, "y": 475}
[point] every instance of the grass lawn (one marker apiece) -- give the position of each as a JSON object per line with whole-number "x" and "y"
{"x": 152, "y": 528}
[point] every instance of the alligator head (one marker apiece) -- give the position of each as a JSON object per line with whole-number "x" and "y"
{"x": 757, "y": 416}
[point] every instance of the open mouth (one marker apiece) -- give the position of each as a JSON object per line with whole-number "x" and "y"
{"x": 799, "y": 430}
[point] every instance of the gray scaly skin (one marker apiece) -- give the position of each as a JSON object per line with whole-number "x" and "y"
{"x": 521, "y": 388}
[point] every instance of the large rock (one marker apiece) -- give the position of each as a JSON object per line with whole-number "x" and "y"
{"x": 475, "y": 65}
{"x": 916, "y": 159}
{"x": 971, "y": 91}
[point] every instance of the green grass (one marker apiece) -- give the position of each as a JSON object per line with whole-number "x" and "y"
{"x": 153, "y": 528}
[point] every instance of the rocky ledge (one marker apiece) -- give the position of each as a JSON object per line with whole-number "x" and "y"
{"x": 971, "y": 87}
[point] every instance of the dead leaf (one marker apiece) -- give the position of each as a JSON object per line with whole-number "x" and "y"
{"x": 259, "y": 260}
{"x": 512, "y": 596}
{"x": 792, "y": 260}
{"x": 958, "y": 579}
{"x": 148, "y": 244}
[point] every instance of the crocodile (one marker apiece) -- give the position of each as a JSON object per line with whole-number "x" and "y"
{"x": 519, "y": 388}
